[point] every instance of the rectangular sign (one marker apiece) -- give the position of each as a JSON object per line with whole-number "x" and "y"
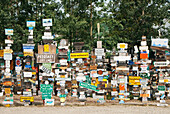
{"x": 134, "y": 80}
{"x": 122, "y": 45}
{"x": 47, "y": 22}
{"x": 46, "y": 48}
{"x": 27, "y": 74}
{"x": 30, "y": 23}
{"x": 99, "y": 52}
{"x": 8, "y": 31}
{"x": 46, "y": 58}
{"x": 7, "y": 56}
{"x": 8, "y": 50}
{"x": 31, "y": 99}
{"x": 49, "y": 102}
{"x": 160, "y": 42}
{"x": 157, "y": 64}
{"x": 29, "y": 54}
{"x": 79, "y": 55}
{"x": 122, "y": 58}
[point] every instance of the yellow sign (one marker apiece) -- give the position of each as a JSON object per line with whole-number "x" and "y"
{"x": 28, "y": 54}
{"x": 134, "y": 80}
{"x": 1, "y": 53}
{"x": 32, "y": 81}
{"x": 33, "y": 73}
{"x": 8, "y": 50}
{"x": 46, "y": 48}
{"x": 122, "y": 45}
{"x": 31, "y": 99}
{"x": 79, "y": 55}
{"x": 7, "y": 90}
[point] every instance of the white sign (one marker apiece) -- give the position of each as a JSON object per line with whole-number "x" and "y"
{"x": 143, "y": 47}
{"x": 7, "y": 56}
{"x": 122, "y": 58}
{"x": 47, "y": 22}
{"x": 160, "y": 42}
{"x": 9, "y": 41}
{"x": 99, "y": 52}
{"x": 27, "y": 74}
{"x": 7, "y": 64}
{"x": 8, "y": 31}
{"x": 49, "y": 102}
{"x": 99, "y": 44}
{"x": 30, "y": 23}
{"x": 143, "y": 43}
{"x": 122, "y": 45}
{"x": 47, "y": 37}
{"x": 157, "y": 64}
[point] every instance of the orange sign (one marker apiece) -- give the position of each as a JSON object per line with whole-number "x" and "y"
{"x": 7, "y": 83}
{"x": 1, "y": 53}
{"x": 7, "y": 90}
{"x": 121, "y": 87}
{"x": 143, "y": 56}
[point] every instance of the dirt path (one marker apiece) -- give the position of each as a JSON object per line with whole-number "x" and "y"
{"x": 114, "y": 109}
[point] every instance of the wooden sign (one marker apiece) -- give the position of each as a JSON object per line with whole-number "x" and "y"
{"x": 46, "y": 58}
{"x": 93, "y": 67}
{"x": 1, "y": 53}
{"x": 7, "y": 83}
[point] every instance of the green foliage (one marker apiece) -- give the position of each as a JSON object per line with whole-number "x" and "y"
{"x": 120, "y": 20}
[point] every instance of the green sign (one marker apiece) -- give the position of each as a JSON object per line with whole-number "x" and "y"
{"x": 88, "y": 86}
{"x": 161, "y": 88}
{"x": 144, "y": 75}
{"x": 64, "y": 95}
{"x": 46, "y": 90}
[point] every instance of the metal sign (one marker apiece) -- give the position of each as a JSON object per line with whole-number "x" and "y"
{"x": 99, "y": 52}
{"x": 161, "y": 63}
{"x": 18, "y": 62}
{"x": 7, "y": 56}
{"x": 8, "y": 31}
{"x": 46, "y": 58}
{"x": 160, "y": 42}
{"x": 79, "y": 55}
{"x": 47, "y": 22}
{"x": 30, "y": 23}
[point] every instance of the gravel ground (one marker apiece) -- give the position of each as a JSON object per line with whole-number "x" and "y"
{"x": 114, "y": 109}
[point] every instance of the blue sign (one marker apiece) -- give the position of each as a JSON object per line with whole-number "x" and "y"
{"x": 27, "y": 66}
{"x": 28, "y": 47}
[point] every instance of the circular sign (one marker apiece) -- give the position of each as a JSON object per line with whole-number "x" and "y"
{"x": 100, "y": 72}
{"x": 18, "y": 62}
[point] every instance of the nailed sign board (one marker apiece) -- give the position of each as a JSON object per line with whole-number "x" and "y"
{"x": 99, "y": 44}
{"x": 8, "y": 31}
{"x": 134, "y": 80}
{"x": 46, "y": 58}
{"x": 160, "y": 42}
{"x": 157, "y": 64}
{"x": 30, "y": 23}
{"x": 99, "y": 52}
{"x": 31, "y": 99}
{"x": 122, "y": 45}
{"x": 122, "y": 58}
{"x": 7, "y": 56}
{"x": 27, "y": 74}
{"x": 79, "y": 55}
{"x": 143, "y": 47}
{"x": 1, "y": 53}
{"x": 47, "y": 22}
{"x": 28, "y": 46}
{"x": 49, "y": 102}
{"x": 8, "y": 50}
{"x": 9, "y": 41}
